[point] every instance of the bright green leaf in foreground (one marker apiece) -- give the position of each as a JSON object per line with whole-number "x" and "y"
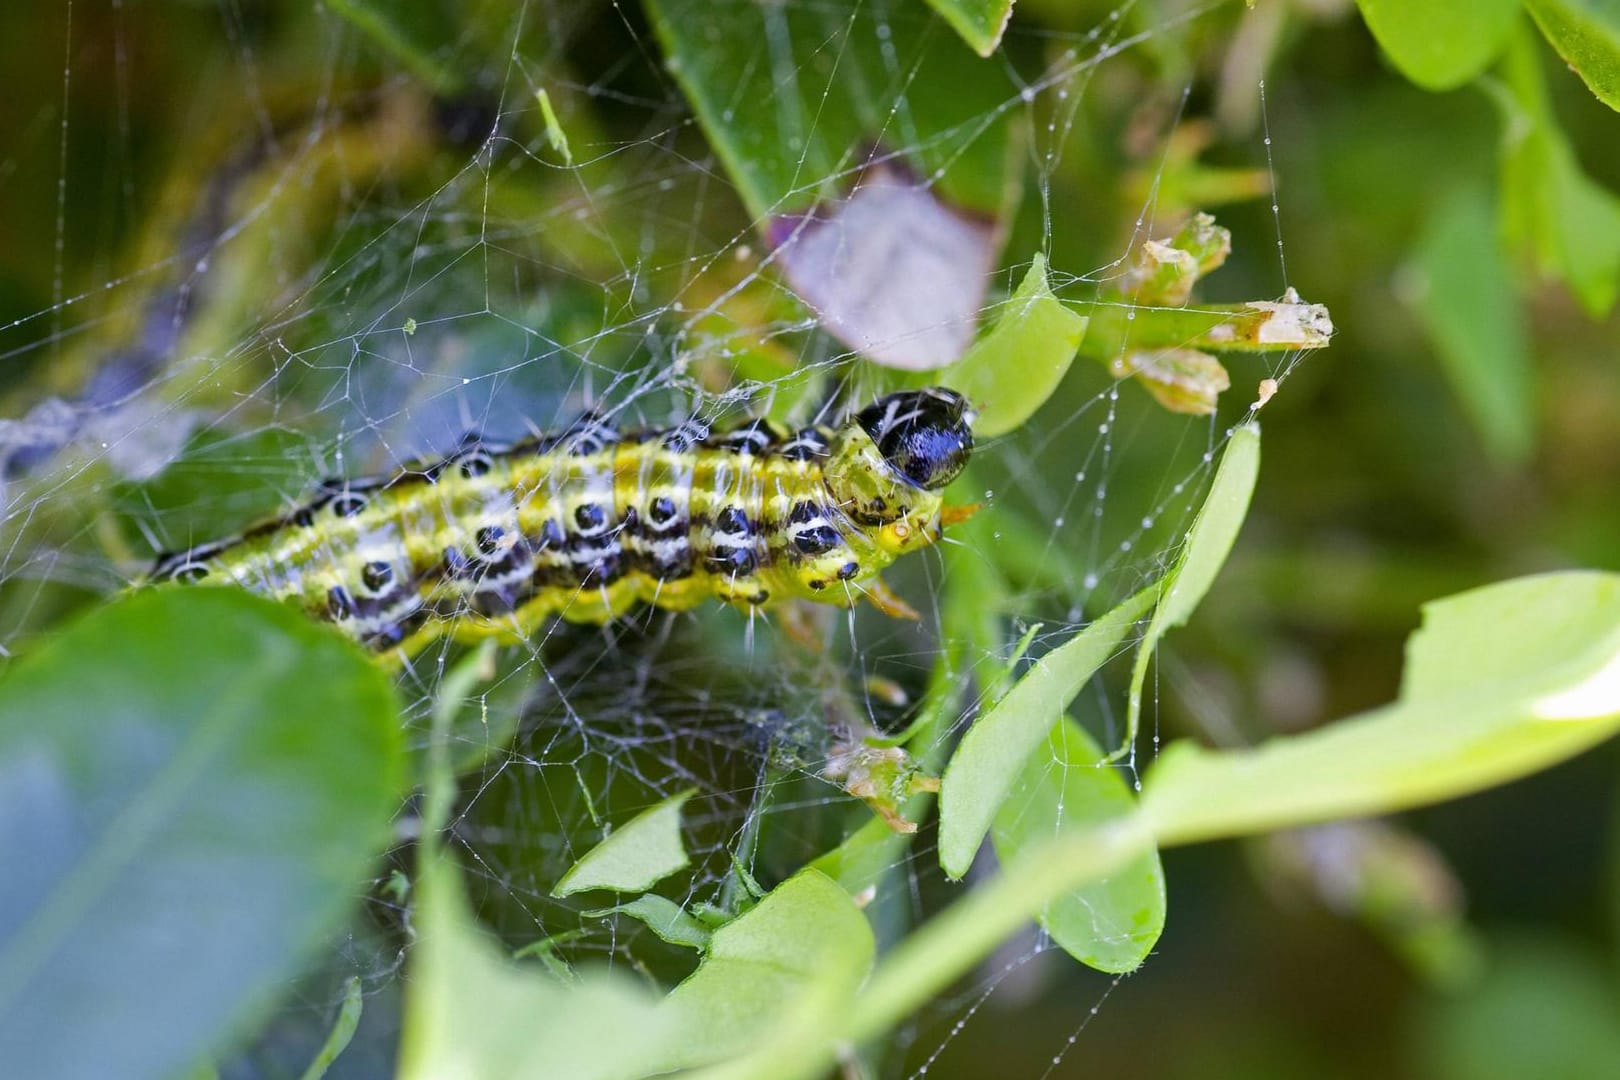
{"x": 471, "y": 1014}
{"x": 1010, "y": 371}
{"x": 1203, "y": 554}
{"x": 1502, "y": 681}
{"x": 192, "y": 785}
{"x": 786, "y": 965}
{"x": 1586, "y": 34}
{"x": 987, "y": 763}
{"x": 1467, "y": 302}
{"x": 642, "y": 853}
{"x": 980, "y": 22}
{"x": 1110, "y": 924}
{"x": 1440, "y": 44}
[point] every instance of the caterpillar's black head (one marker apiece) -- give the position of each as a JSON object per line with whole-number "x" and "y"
{"x": 925, "y": 435}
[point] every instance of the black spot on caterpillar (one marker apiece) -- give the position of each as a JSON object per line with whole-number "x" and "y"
{"x": 584, "y": 525}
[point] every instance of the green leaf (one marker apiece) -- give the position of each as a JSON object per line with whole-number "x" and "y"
{"x": 1546, "y": 626}
{"x": 1010, "y": 371}
{"x": 1467, "y": 302}
{"x": 664, "y": 917}
{"x": 1110, "y": 924}
{"x": 784, "y": 966}
{"x": 471, "y": 1013}
{"x": 1502, "y": 681}
{"x": 1568, "y": 225}
{"x": 987, "y": 763}
{"x": 1440, "y": 44}
{"x": 1203, "y": 554}
{"x": 980, "y": 22}
{"x": 642, "y": 853}
{"x": 1586, "y": 34}
{"x": 192, "y": 783}
{"x": 792, "y": 128}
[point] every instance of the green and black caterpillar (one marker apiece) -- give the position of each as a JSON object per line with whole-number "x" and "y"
{"x": 585, "y": 524}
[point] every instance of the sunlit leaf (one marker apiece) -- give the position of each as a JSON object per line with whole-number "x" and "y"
{"x": 1013, "y": 368}
{"x": 1503, "y": 681}
{"x": 192, "y": 785}
{"x": 1110, "y": 924}
{"x": 647, "y": 849}
{"x": 1586, "y": 34}
{"x": 1440, "y": 44}
{"x": 1466, "y": 300}
{"x": 988, "y": 762}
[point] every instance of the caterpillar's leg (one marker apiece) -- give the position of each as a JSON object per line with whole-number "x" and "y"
{"x": 805, "y": 624}
{"x": 955, "y": 515}
{"x": 884, "y": 599}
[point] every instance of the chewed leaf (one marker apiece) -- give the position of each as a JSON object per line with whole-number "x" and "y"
{"x": 1561, "y": 626}
{"x": 786, "y": 964}
{"x": 1209, "y": 541}
{"x": 1502, "y": 681}
{"x": 1018, "y": 364}
{"x": 987, "y": 763}
{"x": 192, "y": 785}
{"x": 894, "y": 271}
{"x": 642, "y": 853}
{"x": 1110, "y": 924}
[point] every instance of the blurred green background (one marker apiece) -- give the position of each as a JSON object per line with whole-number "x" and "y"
{"x": 1475, "y": 940}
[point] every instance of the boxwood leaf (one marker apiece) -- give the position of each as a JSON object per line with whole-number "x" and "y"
{"x": 1110, "y": 924}
{"x": 987, "y": 763}
{"x": 1440, "y": 44}
{"x": 1013, "y": 368}
{"x": 1502, "y": 681}
{"x": 1586, "y": 34}
{"x": 647, "y": 849}
{"x": 192, "y": 782}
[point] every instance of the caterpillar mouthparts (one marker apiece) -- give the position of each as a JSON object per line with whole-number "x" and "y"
{"x": 586, "y": 524}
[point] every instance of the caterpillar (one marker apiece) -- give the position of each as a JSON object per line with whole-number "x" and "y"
{"x": 586, "y": 524}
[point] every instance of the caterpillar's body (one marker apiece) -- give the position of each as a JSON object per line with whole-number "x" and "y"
{"x": 493, "y": 540}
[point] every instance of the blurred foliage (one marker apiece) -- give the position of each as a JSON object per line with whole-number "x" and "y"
{"x": 1466, "y": 238}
